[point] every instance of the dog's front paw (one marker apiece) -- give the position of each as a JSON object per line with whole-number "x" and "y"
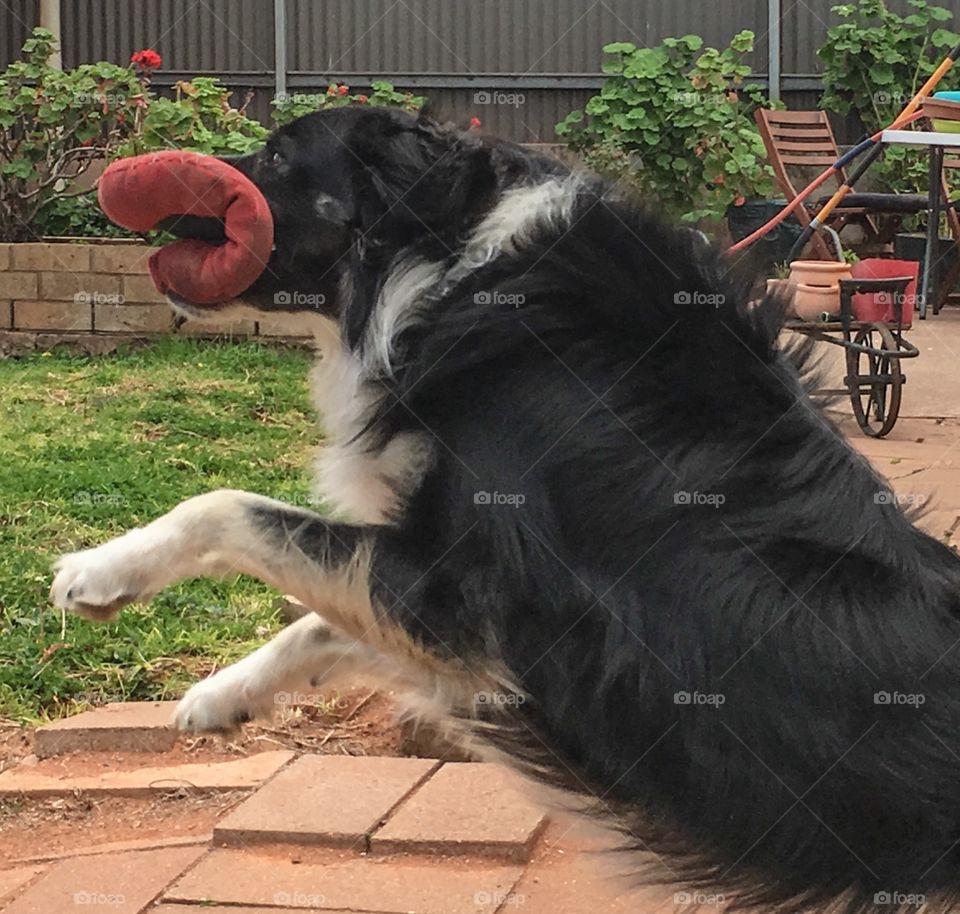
{"x": 221, "y": 703}
{"x": 97, "y": 583}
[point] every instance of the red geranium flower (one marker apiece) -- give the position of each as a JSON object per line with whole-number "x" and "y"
{"x": 475, "y": 123}
{"x": 146, "y": 60}
{"x": 342, "y": 90}
{"x": 362, "y": 99}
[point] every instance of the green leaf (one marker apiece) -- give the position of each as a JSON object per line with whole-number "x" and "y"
{"x": 944, "y": 38}
{"x": 619, "y": 47}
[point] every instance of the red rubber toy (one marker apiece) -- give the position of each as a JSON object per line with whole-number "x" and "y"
{"x": 139, "y": 192}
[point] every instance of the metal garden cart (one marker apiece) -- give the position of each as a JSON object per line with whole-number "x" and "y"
{"x": 874, "y": 349}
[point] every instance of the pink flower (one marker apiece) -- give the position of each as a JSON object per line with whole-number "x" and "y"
{"x": 475, "y": 123}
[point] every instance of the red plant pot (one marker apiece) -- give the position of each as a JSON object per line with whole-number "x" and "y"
{"x": 881, "y": 306}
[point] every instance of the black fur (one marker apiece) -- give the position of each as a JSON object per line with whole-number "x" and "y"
{"x": 613, "y": 368}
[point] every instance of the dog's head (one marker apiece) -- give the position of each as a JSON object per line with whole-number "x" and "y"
{"x": 355, "y": 184}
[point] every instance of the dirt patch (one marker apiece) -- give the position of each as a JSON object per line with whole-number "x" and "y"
{"x": 43, "y": 829}
{"x": 356, "y": 721}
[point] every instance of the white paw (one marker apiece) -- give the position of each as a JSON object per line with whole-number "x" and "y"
{"x": 97, "y": 583}
{"x": 222, "y": 703}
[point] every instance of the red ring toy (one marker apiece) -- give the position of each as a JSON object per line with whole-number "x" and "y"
{"x": 139, "y": 192}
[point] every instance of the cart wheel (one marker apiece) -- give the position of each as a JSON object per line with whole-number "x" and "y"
{"x": 874, "y": 380}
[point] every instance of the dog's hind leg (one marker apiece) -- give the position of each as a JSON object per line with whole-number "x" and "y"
{"x": 324, "y": 565}
{"x": 267, "y": 679}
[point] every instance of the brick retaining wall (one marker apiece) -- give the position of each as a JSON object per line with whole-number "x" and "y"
{"x": 81, "y": 292}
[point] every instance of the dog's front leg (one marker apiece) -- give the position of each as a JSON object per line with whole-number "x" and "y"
{"x": 221, "y": 533}
{"x": 322, "y": 564}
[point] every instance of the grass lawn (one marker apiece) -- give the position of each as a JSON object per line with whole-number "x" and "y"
{"x": 90, "y": 447}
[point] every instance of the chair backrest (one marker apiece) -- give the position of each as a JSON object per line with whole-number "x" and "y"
{"x": 951, "y": 180}
{"x": 797, "y": 141}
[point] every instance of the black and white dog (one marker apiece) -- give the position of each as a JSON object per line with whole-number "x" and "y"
{"x": 586, "y": 515}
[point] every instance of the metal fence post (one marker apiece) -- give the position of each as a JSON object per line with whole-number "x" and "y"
{"x": 50, "y": 19}
{"x": 280, "y": 48}
{"x": 774, "y": 36}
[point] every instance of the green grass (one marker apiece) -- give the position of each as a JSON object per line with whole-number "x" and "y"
{"x": 90, "y": 447}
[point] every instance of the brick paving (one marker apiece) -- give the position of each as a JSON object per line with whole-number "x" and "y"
{"x": 465, "y": 808}
{"x": 134, "y": 726}
{"x": 121, "y": 883}
{"x": 305, "y": 803}
{"x": 239, "y": 774}
{"x": 331, "y": 835}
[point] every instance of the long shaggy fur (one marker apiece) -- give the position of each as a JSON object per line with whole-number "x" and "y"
{"x": 624, "y": 497}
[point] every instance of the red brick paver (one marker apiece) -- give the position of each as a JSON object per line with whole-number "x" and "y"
{"x": 212, "y": 776}
{"x": 115, "y": 847}
{"x": 119, "y": 883}
{"x": 384, "y": 887}
{"x": 590, "y": 884}
{"x": 331, "y": 800}
{"x": 232, "y": 909}
{"x": 15, "y": 880}
{"x": 465, "y": 808}
{"x": 129, "y": 726}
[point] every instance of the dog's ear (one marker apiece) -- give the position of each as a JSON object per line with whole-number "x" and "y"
{"x": 418, "y": 175}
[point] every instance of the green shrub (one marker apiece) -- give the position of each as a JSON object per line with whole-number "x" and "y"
{"x": 875, "y": 61}
{"x": 78, "y": 216}
{"x": 53, "y": 125}
{"x": 289, "y": 107}
{"x": 200, "y": 118}
{"x": 675, "y": 123}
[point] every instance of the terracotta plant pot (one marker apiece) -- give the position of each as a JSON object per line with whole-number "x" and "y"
{"x": 819, "y": 272}
{"x": 809, "y": 302}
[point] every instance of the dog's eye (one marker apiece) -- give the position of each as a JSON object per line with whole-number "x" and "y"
{"x": 276, "y": 158}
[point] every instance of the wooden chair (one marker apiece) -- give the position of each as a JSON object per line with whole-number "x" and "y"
{"x": 948, "y": 281}
{"x": 800, "y": 145}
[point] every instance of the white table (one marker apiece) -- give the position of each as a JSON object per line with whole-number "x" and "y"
{"x": 937, "y": 143}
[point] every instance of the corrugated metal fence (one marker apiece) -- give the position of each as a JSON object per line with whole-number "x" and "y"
{"x": 544, "y": 53}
